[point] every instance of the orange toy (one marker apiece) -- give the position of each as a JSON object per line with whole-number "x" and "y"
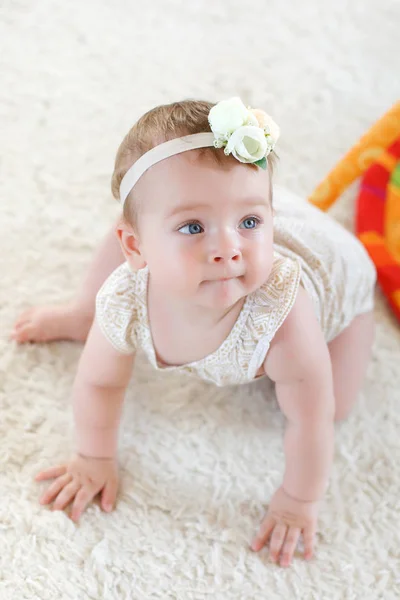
{"x": 377, "y": 157}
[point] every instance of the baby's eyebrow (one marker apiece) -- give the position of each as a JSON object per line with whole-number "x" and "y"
{"x": 186, "y": 208}
{"x": 250, "y": 200}
{"x": 255, "y": 200}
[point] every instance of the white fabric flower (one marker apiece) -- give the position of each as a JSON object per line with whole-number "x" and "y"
{"x": 248, "y": 144}
{"x": 249, "y": 134}
{"x": 227, "y": 116}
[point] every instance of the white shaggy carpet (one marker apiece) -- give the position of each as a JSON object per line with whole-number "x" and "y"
{"x": 198, "y": 464}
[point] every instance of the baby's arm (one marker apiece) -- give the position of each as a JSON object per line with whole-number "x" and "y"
{"x": 299, "y": 363}
{"x": 97, "y": 397}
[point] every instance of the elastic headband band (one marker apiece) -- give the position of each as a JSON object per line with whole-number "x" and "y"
{"x": 159, "y": 153}
{"x": 248, "y": 134}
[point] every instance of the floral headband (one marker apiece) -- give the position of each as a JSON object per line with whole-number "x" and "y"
{"x": 248, "y": 134}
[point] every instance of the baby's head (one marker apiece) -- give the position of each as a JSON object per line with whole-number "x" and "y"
{"x": 200, "y": 219}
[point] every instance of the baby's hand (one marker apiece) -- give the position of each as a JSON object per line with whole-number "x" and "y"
{"x": 284, "y": 522}
{"x": 79, "y": 481}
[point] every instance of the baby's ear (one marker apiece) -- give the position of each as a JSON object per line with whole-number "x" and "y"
{"x": 130, "y": 245}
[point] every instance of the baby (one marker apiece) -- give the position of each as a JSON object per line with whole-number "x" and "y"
{"x": 223, "y": 278}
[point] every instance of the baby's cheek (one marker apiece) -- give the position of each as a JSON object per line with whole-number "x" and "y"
{"x": 189, "y": 267}
{"x": 181, "y": 269}
{"x": 263, "y": 260}
{"x": 189, "y": 256}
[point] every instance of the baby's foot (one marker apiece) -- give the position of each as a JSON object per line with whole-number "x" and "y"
{"x": 49, "y": 323}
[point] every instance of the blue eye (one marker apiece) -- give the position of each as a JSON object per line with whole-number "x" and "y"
{"x": 191, "y": 229}
{"x": 249, "y": 223}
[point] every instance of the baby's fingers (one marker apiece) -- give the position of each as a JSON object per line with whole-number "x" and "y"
{"x": 263, "y": 534}
{"x": 82, "y": 499}
{"x": 66, "y": 495}
{"x": 51, "y": 473}
{"x": 55, "y": 488}
{"x": 308, "y": 539}
{"x": 277, "y": 540}
{"x": 289, "y": 546}
{"x": 109, "y": 494}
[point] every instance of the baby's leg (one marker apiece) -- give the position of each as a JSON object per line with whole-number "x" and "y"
{"x": 73, "y": 320}
{"x": 350, "y": 352}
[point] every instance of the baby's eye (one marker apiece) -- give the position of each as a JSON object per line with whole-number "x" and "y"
{"x": 191, "y": 228}
{"x": 249, "y": 223}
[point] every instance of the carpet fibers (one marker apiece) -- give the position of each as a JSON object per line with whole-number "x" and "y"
{"x": 198, "y": 464}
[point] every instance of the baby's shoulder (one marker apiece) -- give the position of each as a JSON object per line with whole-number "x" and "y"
{"x": 299, "y": 343}
{"x": 279, "y": 291}
{"x": 124, "y": 281}
{"x": 124, "y": 286}
{"x": 120, "y": 306}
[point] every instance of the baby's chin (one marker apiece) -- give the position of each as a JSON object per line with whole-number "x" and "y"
{"x": 222, "y": 294}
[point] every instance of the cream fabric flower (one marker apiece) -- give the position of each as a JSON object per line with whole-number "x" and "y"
{"x": 267, "y": 123}
{"x": 248, "y": 144}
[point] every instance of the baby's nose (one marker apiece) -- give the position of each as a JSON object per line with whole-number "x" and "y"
{"x": 225, "y": 255}
{"x": 223, "y": 247}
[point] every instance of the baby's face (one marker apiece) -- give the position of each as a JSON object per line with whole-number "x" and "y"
{"x": 205, "y": 230}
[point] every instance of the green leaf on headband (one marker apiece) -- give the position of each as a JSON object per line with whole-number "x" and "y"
{"x": 261, "y": 163}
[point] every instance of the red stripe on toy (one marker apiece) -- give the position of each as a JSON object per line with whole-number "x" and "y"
{"x": 370, "y": 212}
{"x": 377, "y": 176}
{"x": 389, "y": 277}
{"x": 395, "y": 148}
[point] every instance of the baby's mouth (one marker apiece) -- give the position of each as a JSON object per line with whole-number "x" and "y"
{"x": 223, "y": 279}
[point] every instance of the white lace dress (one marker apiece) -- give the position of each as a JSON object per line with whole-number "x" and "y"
{"x": 311, "y": 250}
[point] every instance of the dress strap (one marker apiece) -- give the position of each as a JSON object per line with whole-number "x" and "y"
{"x": 272, "y": 304}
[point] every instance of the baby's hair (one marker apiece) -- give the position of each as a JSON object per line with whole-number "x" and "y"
{"x": 158, "y": 125}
